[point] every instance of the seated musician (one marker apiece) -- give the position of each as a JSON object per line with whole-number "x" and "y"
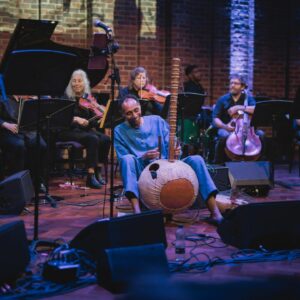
{"x": 193, "y": 84}
{"x": 139, "y": 82}
{"x": 136, "y": 144}
{"x": 86, "y": 132}
{"x": 226, "y": 107}
{"x": 20, "y": 146}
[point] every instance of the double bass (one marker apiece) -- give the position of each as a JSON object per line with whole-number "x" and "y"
{"x": 243, "y": 143}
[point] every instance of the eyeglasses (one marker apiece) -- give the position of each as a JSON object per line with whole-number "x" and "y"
{"x": 235, "y": 83}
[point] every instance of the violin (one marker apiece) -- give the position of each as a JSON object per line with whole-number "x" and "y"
{"x": 91, "y": 104}
{"x": 243, "y": 143}
{"x": 153, "y": 94}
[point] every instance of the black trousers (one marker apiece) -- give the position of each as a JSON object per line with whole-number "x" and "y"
{"x": 21, "y": 151}
{"x": 96, "y": 143}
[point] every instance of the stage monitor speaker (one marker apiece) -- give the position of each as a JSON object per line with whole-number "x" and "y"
{"x": 272, "y": 225}
{"x": 118, "y": 267}
{"x": 255, "y": 176}
{"x": 14, "y": 251}
{"x": 219, "y": 175}
{"x": 247, "y": 173}
{"x": 15, "y": 191}
{"x": 131, "y": 230}
{"x": 257, "y": 287}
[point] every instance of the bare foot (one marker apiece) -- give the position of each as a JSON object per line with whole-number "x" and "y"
{"x": 215, "y": 214}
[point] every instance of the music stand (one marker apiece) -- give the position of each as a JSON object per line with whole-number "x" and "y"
{"x": 54, "y": 114}
{"x": 267, "y": 113}
{"x": 189, "y": 106}
{"x": 38, "y": 72}
{"x": 51, "y": 111}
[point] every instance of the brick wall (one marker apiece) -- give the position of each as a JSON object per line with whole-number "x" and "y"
{"x": 277, "y": 42}
{"x": 151, "y": 32}
{"x": 242, "y": 39}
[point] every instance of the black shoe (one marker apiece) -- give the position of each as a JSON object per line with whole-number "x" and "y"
{"x": 99, "y": 177}
{"x": 92, "y": 182}
{"x": 101, "y": 180}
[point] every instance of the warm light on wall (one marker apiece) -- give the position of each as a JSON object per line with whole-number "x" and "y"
{"x": 148, "y": 18}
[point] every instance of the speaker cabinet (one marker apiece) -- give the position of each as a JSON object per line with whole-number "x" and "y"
{"x": 255, "y": 177}
{"x": 249, "y": 173}
{"x": 118, "y": 267}
{"x": 14, "y": 251}
{"x": 273, "y": 225}
{"x": 131, "y": 230}
{"x": 15, "y": 191}
{"x": 219, "y": 175}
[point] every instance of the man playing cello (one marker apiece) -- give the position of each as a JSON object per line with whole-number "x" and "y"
{"x": 226, "y": 107}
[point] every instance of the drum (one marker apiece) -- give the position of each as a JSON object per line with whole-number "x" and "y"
{"x": 204, "y": 118}
{"x": 191, "y": 131}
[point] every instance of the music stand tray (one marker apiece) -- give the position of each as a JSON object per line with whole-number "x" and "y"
{"x": 267, "y": 112}
{"x": 189, "y": 105}
{"x": 59, "y": 112}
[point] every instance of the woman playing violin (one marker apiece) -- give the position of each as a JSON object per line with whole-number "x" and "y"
{"x": 84, "y": 130}
{"x": 139, "y": 86}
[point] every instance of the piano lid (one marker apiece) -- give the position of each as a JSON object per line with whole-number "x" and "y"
{"x": 36, "y": 34}
{"x": 28, "y": 34}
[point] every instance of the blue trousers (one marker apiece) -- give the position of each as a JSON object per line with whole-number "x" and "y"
{"x": 131, "y": 169}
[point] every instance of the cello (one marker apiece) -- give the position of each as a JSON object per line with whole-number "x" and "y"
{"x": 243, "y": 143}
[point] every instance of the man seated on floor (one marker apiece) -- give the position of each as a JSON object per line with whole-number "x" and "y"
{"x": 136, "y": 144}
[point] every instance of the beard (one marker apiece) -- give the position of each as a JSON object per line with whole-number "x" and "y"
{"x": 135, "y": 122}
{"x": 235, "y": 92}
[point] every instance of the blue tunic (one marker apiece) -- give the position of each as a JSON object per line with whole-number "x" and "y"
{"x": 132, "y": 143}
{"x": 137, "y": 141}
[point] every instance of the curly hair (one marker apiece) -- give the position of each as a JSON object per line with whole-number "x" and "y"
{"x": 240, "y": 77}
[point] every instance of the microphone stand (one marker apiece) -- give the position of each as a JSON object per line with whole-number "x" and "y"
{"x": 115, "y": 78}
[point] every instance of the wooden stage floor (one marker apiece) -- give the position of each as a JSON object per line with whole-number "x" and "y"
{"x": 82, "y": 207}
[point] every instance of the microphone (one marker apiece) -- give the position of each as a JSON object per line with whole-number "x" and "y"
{"x": 98, "y": 23}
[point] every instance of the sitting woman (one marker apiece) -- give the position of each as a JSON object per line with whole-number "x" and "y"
{"x": 139, "y": 86}
{"x": 20, "y": 147}
{"x": 85, "y": 128}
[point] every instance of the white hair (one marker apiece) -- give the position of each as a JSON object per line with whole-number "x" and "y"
{"x": 87, "y": 90}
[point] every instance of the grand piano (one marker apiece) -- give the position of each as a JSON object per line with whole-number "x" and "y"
{"x": 35, "y": 35}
